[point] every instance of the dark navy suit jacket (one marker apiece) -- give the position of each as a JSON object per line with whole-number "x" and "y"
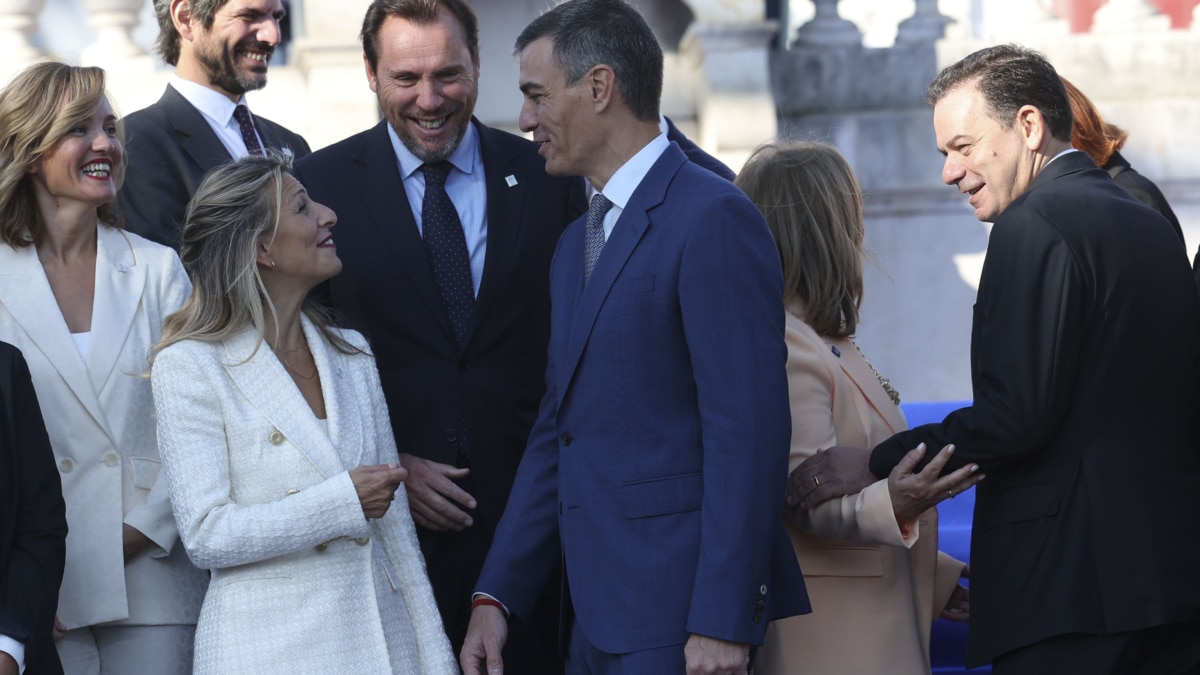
{"x": 657, "y": 464}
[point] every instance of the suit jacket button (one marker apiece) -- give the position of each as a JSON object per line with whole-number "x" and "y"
{"x": 276, "y": 437}
{"x": 362, "y": 541}
{"x": 464, "y": 365}
{"x": 452, "y": 435}
{"x": 566, "y": 438}
{"x": 320, "y": 548}
{"x": 111, "y": 459}
{"x": 762, "y": 590}
{"x": 66, "y": 465}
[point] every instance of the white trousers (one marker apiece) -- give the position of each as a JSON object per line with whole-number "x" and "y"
{"x": 128, "y": 650}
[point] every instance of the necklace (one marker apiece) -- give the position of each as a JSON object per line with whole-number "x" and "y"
{"x": 883, "y": 381}
{"x": 281, "y": 353}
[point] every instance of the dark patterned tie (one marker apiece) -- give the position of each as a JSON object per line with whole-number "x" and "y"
{"x": 247, "y": 126}
{"x": 593, "y": 238}
{"x": 447, "y": 248}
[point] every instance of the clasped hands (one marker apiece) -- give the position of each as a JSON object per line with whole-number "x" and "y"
{"x": 843, "y": 470}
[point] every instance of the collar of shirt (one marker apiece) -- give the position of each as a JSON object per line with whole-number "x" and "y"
{"x": 464, "y": 158}
{"x": 621, "y": 186}
{"x": 217, "y": 110}
{"x": 1064, "y": 152}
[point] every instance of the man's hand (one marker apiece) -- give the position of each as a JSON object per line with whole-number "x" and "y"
{"x": 433, "y": 498}
{"x": 486, "y": 635}
{"x": 958, "y": 608}
{"x": 914, "y": 493}
{"x": 8, "y": 665}
{"x": 133, "y": 542}
{"x": 831, "y": 473}
{"x": 710, "y": 656}
{"x": 376, "y": 485}
{"x": 59, "y": 631}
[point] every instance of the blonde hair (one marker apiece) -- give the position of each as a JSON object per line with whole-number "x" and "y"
{"x": 236, "y": 207}
{"x": 813, "y": 205}
{"x": 37, "y": 109}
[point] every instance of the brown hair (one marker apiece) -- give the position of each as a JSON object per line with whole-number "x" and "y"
{"x": 813, "y": 205}
{"x": 37, "y": 109}
{"x": 1090, "y": 133}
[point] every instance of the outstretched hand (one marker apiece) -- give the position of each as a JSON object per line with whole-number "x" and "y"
{"x": 831, "y": 473}
{"x": 433, "y": 498}
{"x": 914, "y": 493}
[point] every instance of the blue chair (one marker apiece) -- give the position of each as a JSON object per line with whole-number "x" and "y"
{"x": 949, "y": 640}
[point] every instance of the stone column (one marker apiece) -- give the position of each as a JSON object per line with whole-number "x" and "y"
{"x": 329, "y": 61}
{"x": 735, "y": 109}
{"x": 828, "y": 29}
{"x": 114, "y": 21}
{"x": 1124, "y": 16}
{"x": 926, "y": 24}
{"x": 18, "y": 18}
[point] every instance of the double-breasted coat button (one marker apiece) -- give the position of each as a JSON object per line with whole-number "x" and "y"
{"x": 291, "y": 492}
{"x": 452, "y": 435}
{"x": 66, "y": 465}
{"x": 321, "y": 547}
{"x": 111, "y": 459}
{"x": 276, "y": 437}
{"x": 362, "y": 541}
{"x": 566, "y": 438}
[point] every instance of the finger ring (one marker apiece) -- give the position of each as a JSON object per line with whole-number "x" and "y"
{"x": 817, "y": 481}
{"x": 949, "y": 494}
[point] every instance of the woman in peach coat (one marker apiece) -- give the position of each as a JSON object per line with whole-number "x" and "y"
{"x": 875, "y": 577}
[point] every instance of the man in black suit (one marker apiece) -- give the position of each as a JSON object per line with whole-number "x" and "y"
{"x": 1085, "y": 362}
{"x": 33, "y": 526}
{"x": 462, "y": 386}
{"x": 220, "y": 50}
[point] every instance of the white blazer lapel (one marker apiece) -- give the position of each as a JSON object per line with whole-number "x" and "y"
{"x": 120, "y": 280}
{"x": 267, "y": 386}
{"x": 343, "y": 412}
{"x": 25, "y": 292}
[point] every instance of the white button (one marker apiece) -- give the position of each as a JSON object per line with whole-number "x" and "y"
{"x": 66, "y": 465}
{"x": 111, "y": 459}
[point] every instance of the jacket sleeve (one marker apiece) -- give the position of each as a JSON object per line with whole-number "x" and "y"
{"x": 194, "y": 440}
{"x": 863, "y": 518}
{"x": 154, "y": 517}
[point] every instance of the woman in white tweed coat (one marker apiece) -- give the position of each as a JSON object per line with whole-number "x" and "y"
{"x": 278, "y": 452}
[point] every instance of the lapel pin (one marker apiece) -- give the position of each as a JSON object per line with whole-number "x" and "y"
{"x": 511, "y": 180}
{"x": 836, "y": 352}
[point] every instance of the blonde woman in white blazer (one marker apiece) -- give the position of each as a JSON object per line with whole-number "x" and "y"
{"x": 84, "y": 301}
{"x": 874, "y": 574}
{"x": 278, "y": 450}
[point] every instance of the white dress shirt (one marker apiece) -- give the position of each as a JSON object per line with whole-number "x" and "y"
{"x": 217, "y": 110}
{"x": 466, "y": 186}
{"x": 15, "y": 649}
{"x": 622, "y": 184}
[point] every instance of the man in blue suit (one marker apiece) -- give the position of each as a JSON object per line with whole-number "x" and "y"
{"x": 656, "y": 467}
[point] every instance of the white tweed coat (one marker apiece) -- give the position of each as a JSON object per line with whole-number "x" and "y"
{"x": 263, "y": 498}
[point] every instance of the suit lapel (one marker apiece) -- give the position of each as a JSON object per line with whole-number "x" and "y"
{"x": 505, "y": 204}
{"x": 382, "y": 190}
{"x": 266, "y": 385}
{"x": 345, "y": 433}
{"x": 196, "y": 138}
{"x": 873, "y": 400}
{"x": 120, "y": 281}
{"x": 25, "y": 291}
{"x": 626, "y": 234}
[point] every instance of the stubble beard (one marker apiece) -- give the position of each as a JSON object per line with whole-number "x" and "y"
{"x": 223, "y": 72}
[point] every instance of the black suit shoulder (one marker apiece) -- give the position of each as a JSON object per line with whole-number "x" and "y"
{"x": 33, "y": 525}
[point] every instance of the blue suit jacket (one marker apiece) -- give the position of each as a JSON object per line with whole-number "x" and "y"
{"x": 659, "y": 456}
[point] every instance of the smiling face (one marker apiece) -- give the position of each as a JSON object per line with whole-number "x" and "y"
{"x": 992, "y": 162}
{"x": 427, "y": 83}
{"x": 84, "y": 165}
{"x": 553, "y": 112}
{"x": 302, "y": 247}
{"x": 233, "y": 54}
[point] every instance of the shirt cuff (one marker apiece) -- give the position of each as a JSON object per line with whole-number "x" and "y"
{"x": 15, "y": 649}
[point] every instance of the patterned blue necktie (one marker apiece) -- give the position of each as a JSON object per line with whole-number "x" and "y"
{"x": 593, "y": 238}
{"x": 447, "y": 248}
{"x": 247, "y": 126}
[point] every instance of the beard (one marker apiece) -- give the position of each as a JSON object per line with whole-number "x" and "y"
{"x": 221, "y": 67}
{"x": 457, "y": 113}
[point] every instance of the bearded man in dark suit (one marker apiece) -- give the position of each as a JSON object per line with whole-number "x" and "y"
{"x": 221, "y": 50}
